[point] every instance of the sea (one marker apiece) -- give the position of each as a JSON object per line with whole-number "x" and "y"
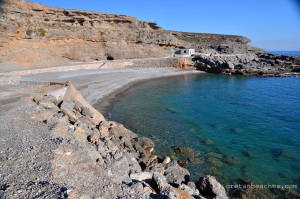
{"x": 231, "y": 127}
{"x": 289, "y": 53}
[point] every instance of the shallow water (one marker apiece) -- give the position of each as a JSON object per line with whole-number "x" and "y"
{"x": 256, "y": 120}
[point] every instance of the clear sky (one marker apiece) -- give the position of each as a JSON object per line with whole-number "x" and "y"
{"x": 270, "y": 24}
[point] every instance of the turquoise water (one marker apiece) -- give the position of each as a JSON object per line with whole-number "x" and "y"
{"x": 255, "y": 120}
{"x": 290, "y": 53}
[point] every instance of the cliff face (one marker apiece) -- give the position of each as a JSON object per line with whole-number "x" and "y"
{"x": 32, "y": 34}
{"x": 227, "y": 44}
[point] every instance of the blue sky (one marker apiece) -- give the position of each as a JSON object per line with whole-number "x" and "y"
{"x": 270, "y": 24}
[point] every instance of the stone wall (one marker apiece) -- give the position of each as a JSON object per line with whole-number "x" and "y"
{"x": 153, "y": 63}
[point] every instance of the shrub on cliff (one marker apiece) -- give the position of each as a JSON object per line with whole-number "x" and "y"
{"x": 42, "y": 32}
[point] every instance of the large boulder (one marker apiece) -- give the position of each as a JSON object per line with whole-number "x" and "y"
{"x": 210, "y": 187}
{"x": 69, "y": 92}
{"x": 144, "y": 146}
{"x": 176, "y": 175}
{"x": 118, "y": 130}
{"x": 167, "y": 191}
{"x": 73, "y": 94}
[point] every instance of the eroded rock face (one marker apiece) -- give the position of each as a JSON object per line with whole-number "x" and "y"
{"x": 217, "y": 43}
{"x": 61, "y": 36}
{"x": 183, "y": 63}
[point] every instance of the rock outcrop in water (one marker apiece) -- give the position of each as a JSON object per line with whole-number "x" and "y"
{"x": 248, "y": 64}
{"x": 34, "y": 35}
{"x": 58, "y": 146}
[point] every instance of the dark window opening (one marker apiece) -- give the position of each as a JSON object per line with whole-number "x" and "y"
{"x": 109, "y": 57}
{"x": 66, "y": 13}
{"x": 81, "y": 22}
{"x": 184, "y": 51}
{"x": 69, "y": 21}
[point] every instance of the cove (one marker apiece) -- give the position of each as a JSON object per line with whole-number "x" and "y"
{"x": 232, "y": 127}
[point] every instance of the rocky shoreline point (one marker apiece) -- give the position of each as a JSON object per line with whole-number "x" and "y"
{"x": 58, "y": 146}
{"x": 261, "y": 64}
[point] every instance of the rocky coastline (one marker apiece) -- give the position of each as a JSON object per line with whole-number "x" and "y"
{"x": 62, "y": 147}
{"x": 56, "y": 145}
{"x": 265, "y": 64}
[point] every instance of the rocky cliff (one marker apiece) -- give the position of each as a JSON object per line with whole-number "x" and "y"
{"x": 34, "y": 35}
{"x": 216, "y": 43}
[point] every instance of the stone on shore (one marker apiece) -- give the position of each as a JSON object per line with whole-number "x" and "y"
{"x": 166, "y": 160}
{"x": 176, "y": 175}
{"x": 210, "y": 187}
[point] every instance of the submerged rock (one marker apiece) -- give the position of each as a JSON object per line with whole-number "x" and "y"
{"x": 214, "y": 155}
{"x": 285, "y": 193}
{"x": 208, "y": 142}
{"x": 214, "y": 162}
{"x": 182, "y": 163}
{"x": 186, "y": 151}
{"x": 249, "y": 154}
{"x": 213, "y": 171}
{"x": 199, "y": 160}
{"x": 180, "y": 150}
{"x": 232, "y": 160}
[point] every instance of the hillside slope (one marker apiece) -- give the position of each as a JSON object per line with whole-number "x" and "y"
{"x": 34, "y": 35}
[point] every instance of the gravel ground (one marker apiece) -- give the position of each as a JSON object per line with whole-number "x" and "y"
{"x": 25, "y": 151}
{"x": 52, "y": 148}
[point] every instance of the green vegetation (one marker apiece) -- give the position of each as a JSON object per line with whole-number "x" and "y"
{"x": 3, "y": 27}
{"x": 102, "y": 33}
{"x": 42, "y": 32}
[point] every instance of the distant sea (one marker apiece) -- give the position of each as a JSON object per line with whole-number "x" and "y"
{"x": 234, "y": 127}
{"x": 290, "y": 53}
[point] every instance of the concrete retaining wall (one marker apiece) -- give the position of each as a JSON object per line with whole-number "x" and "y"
{"x": 153, "y": 63}
{"x": 14, "y": 77}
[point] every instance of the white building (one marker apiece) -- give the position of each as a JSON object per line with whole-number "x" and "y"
{"x": 184, "y": 53}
